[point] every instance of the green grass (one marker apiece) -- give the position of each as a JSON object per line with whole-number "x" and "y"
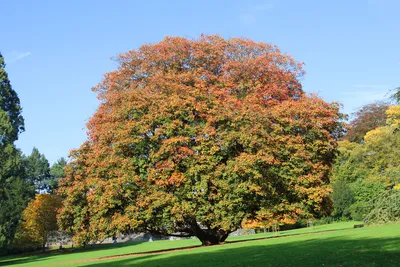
{"x": 369, "y": 246}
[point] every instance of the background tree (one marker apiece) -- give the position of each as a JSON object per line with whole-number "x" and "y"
{"x": 9, "y": 102}
{"x": 395, "y": 96}
{"x": 56, "y": 173}
{"x": 366, "y": 194}
{"x": 367, "y": 118}
{"x": 342, "y": 198}
{"x": 15, "y": 192}
{"x": 37, "y": 170}
{"x": 39, "y": 220}
{"x": 386, "y": 209}
{"x": 194, "y": 137}
{"x": 371, "y": 168}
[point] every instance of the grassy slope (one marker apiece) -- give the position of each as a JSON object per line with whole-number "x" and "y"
{"x": 372, "y": 246}
{"x": 331, "y": 248}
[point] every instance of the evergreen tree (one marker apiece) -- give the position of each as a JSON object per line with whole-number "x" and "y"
{"x": 9, "y": 102}
{"x": 56, "y": 172}
{"x": 37, "y": 169}
{"x": 15, "y": 192}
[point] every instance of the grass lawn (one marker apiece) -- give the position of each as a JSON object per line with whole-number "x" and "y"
{"x": 369, "y": 246}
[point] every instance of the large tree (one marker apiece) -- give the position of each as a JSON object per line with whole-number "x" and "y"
{"x": 194, "y": 137}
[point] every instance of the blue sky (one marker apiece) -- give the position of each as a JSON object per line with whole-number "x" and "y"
{"x": 57, "y": 50}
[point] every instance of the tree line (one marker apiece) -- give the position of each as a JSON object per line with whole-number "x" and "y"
{"x": 366, "y": 175}
{"x": 21, "y": 177}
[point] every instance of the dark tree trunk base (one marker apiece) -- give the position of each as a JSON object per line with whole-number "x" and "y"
{"x": 211, "y": 237}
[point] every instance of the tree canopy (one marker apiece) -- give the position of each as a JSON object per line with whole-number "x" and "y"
{"x": 15, "y": 192}
{"x": 367, "y": 118}
{"x": 370, "y": 169}
{"x": 56, "y": 173}
{"x": 9, "y": 102}
{"x": 37, "y": 170}
{"x": 194, "y": 137}
{"x": 39, "y": 221}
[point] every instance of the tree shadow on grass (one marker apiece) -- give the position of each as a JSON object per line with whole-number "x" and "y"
{"x": 38, "y": 256}
{"x": 19, "y": 259}
{"x": 337, "y": 251}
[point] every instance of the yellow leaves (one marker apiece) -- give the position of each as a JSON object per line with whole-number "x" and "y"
{"x": 393, "y": 114}
{"x": 377, "y": 133}
{"x": 39, "y": 217}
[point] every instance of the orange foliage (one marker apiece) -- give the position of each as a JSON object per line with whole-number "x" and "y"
{"x": 195, "y": 136}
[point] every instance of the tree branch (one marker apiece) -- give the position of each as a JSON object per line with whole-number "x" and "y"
{"x": 166, "y": 234}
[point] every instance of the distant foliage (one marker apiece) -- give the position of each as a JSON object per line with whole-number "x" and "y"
{"x": 366, "y": 194}
{"x": 56, "y": 173}
{"x": 387, "y": 209}
{"x": 367, "y": 118}
{"x": 370, "y": 169}
{"x": 395, "y": 96}
{"x": 377, "y": 159}
{"x": 342, "y": 198}
{"x": 38, "y": 222}
{"x": 197, "y": 136}
{"x": 37, "y": 170}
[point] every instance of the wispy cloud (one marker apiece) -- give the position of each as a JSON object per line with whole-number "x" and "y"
{"x": 16, "y": 55}
{"x": 249, "y": 15}
{"x": 354, "y": 99}
{"x": 371, "y": 86}
{"x": 262, "y": 7}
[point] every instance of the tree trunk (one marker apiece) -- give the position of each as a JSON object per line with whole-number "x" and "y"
{"x": 209, "y": 237}
{"x": 44, "y": 241}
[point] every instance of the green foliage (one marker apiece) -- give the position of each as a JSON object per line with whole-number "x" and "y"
{"x": 23, "y": 242}
{"x": 349, "y": 165}
{"x": 9, "y": 102}
{"x": 342, "y": 198}
{"x": 386, "y": 209}
{"x": 371, "y": 169}
{"x": 365, "y": 195}
{"x": 15, "y": 192}
{"x": 37, "y": 170}
{"x": 56, "y": 173}
{"x": 376, "y": 159}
